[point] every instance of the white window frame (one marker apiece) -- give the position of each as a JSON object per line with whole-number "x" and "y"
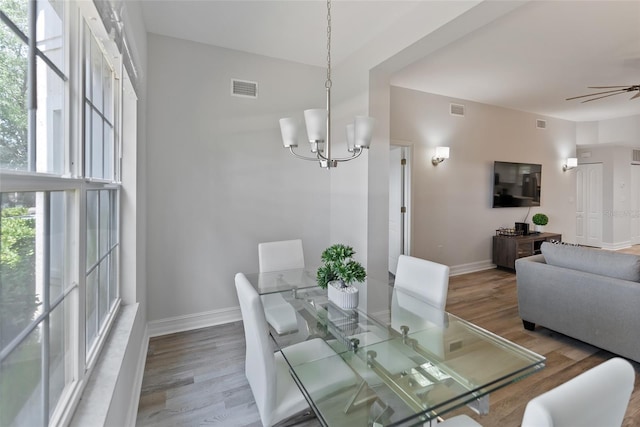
{"x": 82, "y": 361}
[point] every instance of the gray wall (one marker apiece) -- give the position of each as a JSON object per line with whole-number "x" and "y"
{"x": 198, "y": 135}
{"x": 219, "y": 180}
{"x": 453, "y": 222}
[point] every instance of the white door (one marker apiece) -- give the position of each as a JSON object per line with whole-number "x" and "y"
{"x": 634, "y": 201}
{"x": 398, "y": 205}
{"x": 581, "y": 215}
{"x": 589, "y": 204}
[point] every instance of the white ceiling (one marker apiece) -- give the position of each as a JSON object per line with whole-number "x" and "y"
{"x": 295, "y": 30}
{"x": 530, "y": 59}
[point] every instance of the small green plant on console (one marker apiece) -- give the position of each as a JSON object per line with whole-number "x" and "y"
{"x": 339, "y": 265}
{"x": 540, "y": 219}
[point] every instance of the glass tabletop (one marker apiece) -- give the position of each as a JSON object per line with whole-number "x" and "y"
{"x": 412, "y": 362}
{"x": 284, "y": 280}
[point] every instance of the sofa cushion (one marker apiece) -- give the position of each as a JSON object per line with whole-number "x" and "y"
{"x": 591, "y": 260}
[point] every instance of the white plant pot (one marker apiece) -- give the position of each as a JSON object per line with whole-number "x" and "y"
{"x": 539, "y": 228}
{"x": 343, "y": 297}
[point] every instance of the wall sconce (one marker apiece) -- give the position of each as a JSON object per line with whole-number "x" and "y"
{"x": 572, "y": 162}
{"x": 442, "y": 153}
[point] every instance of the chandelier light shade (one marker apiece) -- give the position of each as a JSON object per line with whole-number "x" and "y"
{"x": 289, "y": 128}
{"x": 363, "y": 131}
{"x": 318, "y": 124}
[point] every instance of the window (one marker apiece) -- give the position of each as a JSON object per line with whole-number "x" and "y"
{"x": 99, "y": 111}
{"x": 34, "y": 317}
{"x": 31, "y": 139}
{"x": 59, "y": 206}
{"x": 102, "y": 260}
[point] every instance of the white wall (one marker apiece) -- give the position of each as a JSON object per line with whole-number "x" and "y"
{"x": 136, "y": 31}
{"x": 620, "y": 216}
{"x": 453, "y": 222}
{"x": 219, "y": 180}
{"x": 442, "y": 27}
{"x": 362, "y": 87}
{"x": 621, "y": 131}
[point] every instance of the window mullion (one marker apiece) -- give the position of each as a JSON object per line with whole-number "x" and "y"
{"x": 46, "y": 305}
{"x": 81, "y": 224}
{"x": 32, "y": 94}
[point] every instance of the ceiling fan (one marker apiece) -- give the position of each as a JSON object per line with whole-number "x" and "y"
{"x": 616, "y": 90}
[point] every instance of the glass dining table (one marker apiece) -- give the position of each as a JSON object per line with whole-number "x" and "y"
{"x": 412, "y": 362}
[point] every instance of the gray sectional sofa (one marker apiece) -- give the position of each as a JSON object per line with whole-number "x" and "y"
{"x": 589, "y": 294}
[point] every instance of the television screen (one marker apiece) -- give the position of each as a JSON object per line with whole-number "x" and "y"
{"x": 516, "y": 184}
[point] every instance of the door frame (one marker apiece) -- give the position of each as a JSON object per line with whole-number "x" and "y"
{"x": 406, "y": 193}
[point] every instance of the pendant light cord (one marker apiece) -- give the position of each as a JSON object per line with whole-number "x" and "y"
{"x": 327, "y": 84}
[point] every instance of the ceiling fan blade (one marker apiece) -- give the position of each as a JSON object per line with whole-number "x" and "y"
{"x": 606, "y": 87}
{"x": 600, "y": 97}
{"x": 637, "y": 95}
{"x": 597, "y": 93}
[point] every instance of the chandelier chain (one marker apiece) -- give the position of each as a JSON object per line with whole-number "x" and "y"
{"x": 328, "y": 82}
{"x": 319, "y": 137}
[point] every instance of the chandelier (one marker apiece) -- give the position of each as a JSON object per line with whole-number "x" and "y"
{"x": 318, "y": 124}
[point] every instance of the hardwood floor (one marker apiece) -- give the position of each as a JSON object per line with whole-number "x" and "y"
{"x": 489, "y": 300}
{"x": 196, "y": 378}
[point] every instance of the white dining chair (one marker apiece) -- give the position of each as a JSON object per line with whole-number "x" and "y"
{"x": 422, "y": 320}
{"x": 597, "y": 397}
{"x": 424, "y": 279}
{"x": 276, "y": 256}
{"x": 277, "y": 396}
{"x": 280, "y": 255}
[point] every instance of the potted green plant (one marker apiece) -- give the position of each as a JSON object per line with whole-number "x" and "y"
{"x": 540, "y": 220}
{"x": 337, "y": 272}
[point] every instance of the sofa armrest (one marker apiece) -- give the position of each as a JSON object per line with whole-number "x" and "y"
{"x": 533, "y": 258}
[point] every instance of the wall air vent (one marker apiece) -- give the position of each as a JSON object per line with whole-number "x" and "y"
{"x": 541, "y": 124}
{"x": 456, "y": 110}
{"x": 244, "y": 88}
{"x": 636, "y": 156}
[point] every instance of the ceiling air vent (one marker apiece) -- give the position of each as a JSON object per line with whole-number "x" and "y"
{"x": 456, "y": 110}
{"x": 541, "y": 124}
{"x": 244, "y": 88}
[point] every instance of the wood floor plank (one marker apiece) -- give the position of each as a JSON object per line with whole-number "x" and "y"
{"x": 196, "y": 378}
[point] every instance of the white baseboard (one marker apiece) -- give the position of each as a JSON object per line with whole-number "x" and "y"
{"x": 188, "y": 322}
{"x": 205, "y": 319}
{"x": 471, "y": 267}
{"x": 132, "y": 414}
{"x": 616, "y": 246}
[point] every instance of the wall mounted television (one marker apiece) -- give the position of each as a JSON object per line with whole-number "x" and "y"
{"x": 516, "y": 184}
